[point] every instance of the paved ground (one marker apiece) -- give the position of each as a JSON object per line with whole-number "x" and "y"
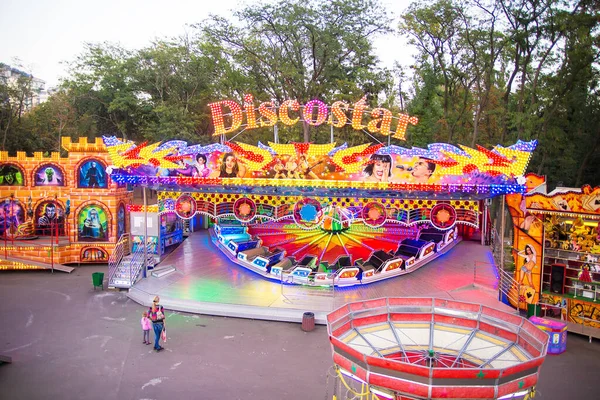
{"x": 69, "y": 342}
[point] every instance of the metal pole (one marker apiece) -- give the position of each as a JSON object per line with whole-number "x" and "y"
{"x": 52, "y": 244}
{"x": 483, "y": 223}
{"x": 275, "y": 133}
{"x": 5, "y": 238}
{"x": 145, "y": 235}
{"x": 14, "y": 220}
{"x": 502, "y": 224}
{"x": 331, "y": 131}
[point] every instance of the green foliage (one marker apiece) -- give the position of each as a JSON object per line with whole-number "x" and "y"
{"x": 305, "y": 49}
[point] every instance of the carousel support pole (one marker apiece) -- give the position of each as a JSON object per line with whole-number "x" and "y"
{"x": 502, "y": 225}
{"x": 275, "y": 133}
{"x": 52, "y": 244}
{"x": 5, "y": 238}
{"x": 56, "y": 216}
{"x": 145, "y": 234}
{"x": 14, "y": 219}
{"x": 483, "y": 223}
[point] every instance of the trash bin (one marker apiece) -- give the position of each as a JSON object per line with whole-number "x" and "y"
{"x": 534, "y": 310}
{"x": 308, "y": 321}
{"x": 97, "y": 278}
{"x": 556, "y": 330}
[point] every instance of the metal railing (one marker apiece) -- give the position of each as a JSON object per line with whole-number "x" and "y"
{"x": 122, "y": 249}
{"x": 138, "y": 263}
{"x": 288, "y": 285}
{"x": 509, "y": 287}
{"x": 481, "y": 278}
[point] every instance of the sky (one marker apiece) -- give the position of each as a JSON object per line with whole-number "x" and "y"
{"x": 41, "y": 35}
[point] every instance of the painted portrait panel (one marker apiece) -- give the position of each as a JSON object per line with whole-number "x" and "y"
{"x": 92, "y": 224}
{"x": 48, "y": 175}
{"x": 92, "y": 174}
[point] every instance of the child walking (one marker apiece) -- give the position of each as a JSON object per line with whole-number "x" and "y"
{"x": 146, "y": 325}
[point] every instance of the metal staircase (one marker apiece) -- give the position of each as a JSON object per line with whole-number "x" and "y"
{"x": 125, "y": 264}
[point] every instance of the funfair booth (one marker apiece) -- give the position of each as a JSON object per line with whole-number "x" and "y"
{"x": 557, "y": 253}
{"x": 323, "y": 214}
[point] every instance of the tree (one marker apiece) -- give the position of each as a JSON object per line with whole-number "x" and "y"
{"x": 102, "y": 85}
{"x": 305, "y": 50}
{"x": 16, "y": 93}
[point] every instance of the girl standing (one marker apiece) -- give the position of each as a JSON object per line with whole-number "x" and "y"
{"x": 146, "y": 323}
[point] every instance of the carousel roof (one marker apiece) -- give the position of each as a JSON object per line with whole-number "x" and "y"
{"x": 441, "y": 171}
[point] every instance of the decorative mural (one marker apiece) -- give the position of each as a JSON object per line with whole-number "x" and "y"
{"x": 585, "y": 202}
{"x": 93, "y": 254}
{"x": 577, "y": 311}
{"x": 12, "y": 217}
{"x": 527, "y": 249}
{"x": 121, "y": 223}
{"x": 11, "y": 175}
{"x": 440, "y": 167}
{"x": 48, "y": 175}
{"x": 92, "y": 175}
{"x": 92, "y": 224}
{"x": 49, "y": 218}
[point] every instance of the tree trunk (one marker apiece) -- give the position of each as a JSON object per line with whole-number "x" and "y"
{"x": 306, "y": 131}
{"x": 6, "y": 132}
{"x": 586, "y": 159}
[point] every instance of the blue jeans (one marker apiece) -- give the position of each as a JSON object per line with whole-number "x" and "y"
{"x": 147, "y": 335}
{"x": 157, "y": 330}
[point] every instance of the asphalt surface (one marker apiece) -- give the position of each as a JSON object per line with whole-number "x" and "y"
{"x": 68, "y": 341}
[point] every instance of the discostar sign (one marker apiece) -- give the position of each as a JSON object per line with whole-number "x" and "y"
{"x": 315, "y": 113}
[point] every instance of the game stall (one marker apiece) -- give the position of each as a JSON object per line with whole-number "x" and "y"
{"x": 557, "y": 251}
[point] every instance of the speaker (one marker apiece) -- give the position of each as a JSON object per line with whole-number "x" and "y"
{"x": 557, "y": 278}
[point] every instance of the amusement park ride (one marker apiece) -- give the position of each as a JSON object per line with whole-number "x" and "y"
{"x": 325, "y": 214}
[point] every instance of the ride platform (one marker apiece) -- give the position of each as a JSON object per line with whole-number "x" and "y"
{"x": 207, "y": 282}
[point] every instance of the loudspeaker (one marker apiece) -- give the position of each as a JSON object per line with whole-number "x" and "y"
{"x": 557, "y": 278}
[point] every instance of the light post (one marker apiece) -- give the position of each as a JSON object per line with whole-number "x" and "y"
{"x": 67, "y": 212}
{"x": 52, "y": 240}
{"x": 5, "y": 217}
{"x": 145, "y": 234}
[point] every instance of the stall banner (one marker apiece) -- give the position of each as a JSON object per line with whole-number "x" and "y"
{"x": 438, "y": 164}
{"x": 578, "y": 311}
{"x": 527, "y": 249}
{"x": 585, "y": 202}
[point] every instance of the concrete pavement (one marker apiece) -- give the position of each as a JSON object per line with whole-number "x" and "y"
{"x": 69, "y": 342}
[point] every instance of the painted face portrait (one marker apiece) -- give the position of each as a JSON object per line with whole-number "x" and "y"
{"x": 422, "y": 170}
{"x": 92, "y": 224}
{"x": 379, "y": 169}
{"x": 49, "y": 175}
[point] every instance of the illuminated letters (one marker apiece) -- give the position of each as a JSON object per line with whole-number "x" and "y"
{"x": 216, "y": 109}
{"x": 267, "y": 113}
{"x": 249, "y": 107}
{"x": 385, "y": 122}
{"x": 338, "y": 110}
{"x": 284, "y": 115}
{"x": 357, "y": 114}
{"x": 309, "y": 110}
{"x": 380, "y": 122}
{"x": 402, "y": 124}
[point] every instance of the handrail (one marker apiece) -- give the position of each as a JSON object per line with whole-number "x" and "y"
{"x": 122, "y": 249}
{"x": 506, "y": 283}
{"x": 138, "y": 262}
